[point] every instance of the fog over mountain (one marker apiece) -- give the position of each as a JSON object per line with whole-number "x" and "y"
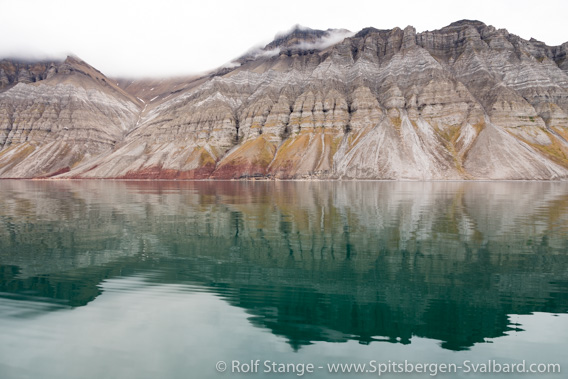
{"x": 468, "y": 101}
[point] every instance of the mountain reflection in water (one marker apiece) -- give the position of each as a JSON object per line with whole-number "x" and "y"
{"x": 308, "y": 261}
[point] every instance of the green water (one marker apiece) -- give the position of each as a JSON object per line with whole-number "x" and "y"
{"x": 134, "y": 279}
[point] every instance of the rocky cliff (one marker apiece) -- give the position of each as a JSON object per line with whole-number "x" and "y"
{"x": 467, "y": 101}
{"x": 58, "y": 116}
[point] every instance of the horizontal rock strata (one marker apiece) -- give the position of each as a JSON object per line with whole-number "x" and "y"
{"x": 467, "y": 101}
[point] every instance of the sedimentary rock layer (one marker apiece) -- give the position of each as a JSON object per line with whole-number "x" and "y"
{"x": 467, "y": 101}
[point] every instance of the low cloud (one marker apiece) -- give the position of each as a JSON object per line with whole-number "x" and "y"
{"x": 268, "y": 53}
{"x": 24, "y": 55}
{"x": 259, "y": 52}
{"x": 334, "y": 37}
{"x": 232, "y": 64}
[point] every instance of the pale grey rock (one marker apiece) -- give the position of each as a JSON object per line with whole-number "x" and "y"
{"x": 468, "y": 101}
{"x": 53, "y": 125}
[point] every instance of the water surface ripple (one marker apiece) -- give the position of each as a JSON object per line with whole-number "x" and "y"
{"x": 135, "y": 279}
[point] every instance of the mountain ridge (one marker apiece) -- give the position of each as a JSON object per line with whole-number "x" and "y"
{"x": 467, "y": 101}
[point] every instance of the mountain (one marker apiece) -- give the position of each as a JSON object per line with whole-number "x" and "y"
{"x": 56, "y": 115}
{"x": 468, "y": 101}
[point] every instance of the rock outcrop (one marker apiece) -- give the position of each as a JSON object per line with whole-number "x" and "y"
{"x": 72, "y": 115}
{"x": 467, "y": 101}
{"x": 14, "y": 71}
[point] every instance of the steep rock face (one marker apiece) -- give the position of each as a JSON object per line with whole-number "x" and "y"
{"x": 73, "y": 115}
{"x": 15, "y": 71}
{"x": 467, "y": 101}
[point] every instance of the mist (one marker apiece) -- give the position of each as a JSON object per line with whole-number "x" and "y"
{"x": 177, "y": 38}
{"x": 334, "y": 37}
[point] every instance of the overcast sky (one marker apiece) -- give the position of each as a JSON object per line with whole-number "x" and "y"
{"x": 171, "y": 37}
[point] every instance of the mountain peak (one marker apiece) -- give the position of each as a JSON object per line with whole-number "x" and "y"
{"x": 466, "y": 101}
{"x": 77, "y": 64}
{"x": 465, "y": 22}
{"x": 297, "y": 34}
{"x": 297, "y": 40}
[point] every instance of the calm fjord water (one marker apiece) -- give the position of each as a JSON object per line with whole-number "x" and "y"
{"x": 112, "y": 279}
